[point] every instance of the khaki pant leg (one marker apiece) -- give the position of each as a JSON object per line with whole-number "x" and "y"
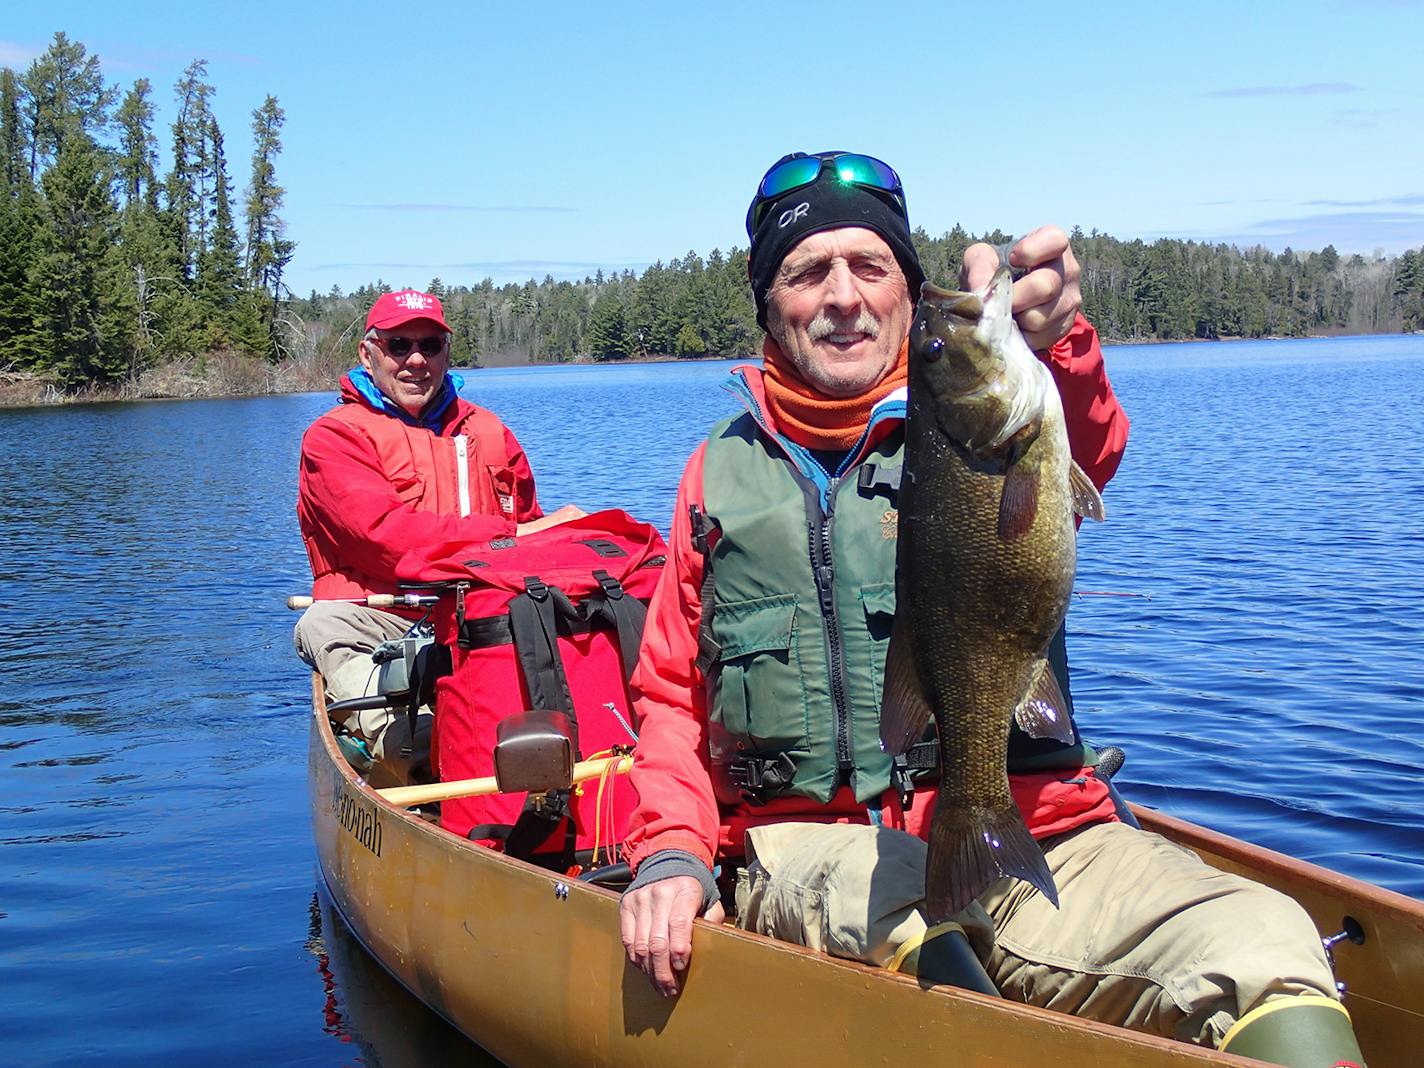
{"x": 1150, "y": 937}
{"x": 852, "y": 891}
{"x": 337, "y": 639}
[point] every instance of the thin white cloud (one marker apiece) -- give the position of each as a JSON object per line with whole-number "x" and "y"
{"x": 492, "y": 208}
{"x": 1310, "y": 89}
{"x": 563, "y": 269}
{"x": 17, "y": 56}
{"x": 1348, "y": 231}
{"x": 1408, "y": 200}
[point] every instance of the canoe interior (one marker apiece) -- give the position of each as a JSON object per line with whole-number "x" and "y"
{"x": 529, "y": 964}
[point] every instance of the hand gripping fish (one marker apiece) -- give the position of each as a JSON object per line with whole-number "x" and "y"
{"x": 984, "y": 571}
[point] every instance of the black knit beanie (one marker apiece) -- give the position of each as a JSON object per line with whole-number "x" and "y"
{"x": 824, "y": 205}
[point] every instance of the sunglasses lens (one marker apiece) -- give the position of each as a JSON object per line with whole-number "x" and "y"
{"x": 789, "y": 175}
{"x": 401, "y": 346}
{"x": 866, "y": 170}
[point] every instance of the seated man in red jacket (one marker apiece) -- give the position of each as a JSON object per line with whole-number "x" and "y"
{"x": 402, "y": 462}
{"x": 762, "y": 668}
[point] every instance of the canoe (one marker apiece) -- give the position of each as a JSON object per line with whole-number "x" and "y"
{"x": 529, "y": 964}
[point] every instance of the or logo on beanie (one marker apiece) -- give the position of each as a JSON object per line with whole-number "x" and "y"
{"x": 791, "y": 215}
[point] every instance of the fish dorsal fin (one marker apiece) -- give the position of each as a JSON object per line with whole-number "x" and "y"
{"x": 1018, "y": 502}
{"x": 1087, "y": 501}
{"x": 904, "y": 711}
{"x": 1043, "y": 713}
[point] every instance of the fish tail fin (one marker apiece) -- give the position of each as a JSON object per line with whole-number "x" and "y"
{"x": 966, "y": 856}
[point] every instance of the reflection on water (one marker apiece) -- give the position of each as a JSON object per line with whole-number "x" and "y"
{"x": 156, "y": 864}
{"x": 367, "y": 1008}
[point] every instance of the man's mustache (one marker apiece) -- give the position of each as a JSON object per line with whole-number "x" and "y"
{"x": 823, "y": 326}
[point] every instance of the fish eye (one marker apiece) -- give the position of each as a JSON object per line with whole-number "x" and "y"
{"x": 935, "y": 349}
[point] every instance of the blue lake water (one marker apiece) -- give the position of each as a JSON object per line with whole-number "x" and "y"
{"x": 158, "y": 896}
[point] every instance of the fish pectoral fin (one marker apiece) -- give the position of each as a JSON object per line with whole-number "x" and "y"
{"x": 904, "y": 711}
{"x": 966, "y": 855}
{"x": 1043, "y": 713}
{"x": 1087, "y": 501}
{"x": 1018, "y": 502}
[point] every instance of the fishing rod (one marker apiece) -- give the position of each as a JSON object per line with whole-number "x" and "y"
{"x": 298, "y": 602}
{"x": 1110, "y": 593}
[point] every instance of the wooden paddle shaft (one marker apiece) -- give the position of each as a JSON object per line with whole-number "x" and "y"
{"x": 406, "y": 796}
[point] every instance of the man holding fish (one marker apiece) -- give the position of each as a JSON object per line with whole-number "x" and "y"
{"x": 883, "y": 540}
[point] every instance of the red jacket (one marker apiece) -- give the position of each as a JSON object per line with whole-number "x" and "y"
{"x": 677, "y": 809}
{"x": 371, "y": 487}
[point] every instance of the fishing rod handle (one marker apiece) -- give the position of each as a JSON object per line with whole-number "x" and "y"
{"x": 298, "y": 602}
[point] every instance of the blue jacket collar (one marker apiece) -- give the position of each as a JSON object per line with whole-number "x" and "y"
{"x": 434, "y": 413}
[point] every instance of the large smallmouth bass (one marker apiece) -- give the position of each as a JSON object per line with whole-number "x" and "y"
{"x": 984, "y": 571}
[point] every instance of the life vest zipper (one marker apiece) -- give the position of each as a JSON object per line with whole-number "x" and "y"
{"x": 824, "y": 568}
{"x": 462, "y": 471}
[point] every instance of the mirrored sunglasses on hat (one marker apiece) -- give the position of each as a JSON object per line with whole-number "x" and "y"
{"x": 850, "y": 168}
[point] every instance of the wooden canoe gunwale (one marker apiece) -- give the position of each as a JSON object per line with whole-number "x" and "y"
{"x": 465, "y": 928}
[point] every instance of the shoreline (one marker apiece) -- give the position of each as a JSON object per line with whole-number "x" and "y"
{"x": 229, "y": 376}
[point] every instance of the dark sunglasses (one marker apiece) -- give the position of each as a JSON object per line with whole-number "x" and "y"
{"x": 852, "y": 168}
{"x": 401, "y": 346}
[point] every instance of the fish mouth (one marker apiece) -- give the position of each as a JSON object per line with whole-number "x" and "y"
{"x": 953, "y": 302}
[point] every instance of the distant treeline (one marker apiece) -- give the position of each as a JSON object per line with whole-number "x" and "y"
{"x": 106, "y": 268}
{"x": 1132, "y": 291}
{"x": 109, "y": 271}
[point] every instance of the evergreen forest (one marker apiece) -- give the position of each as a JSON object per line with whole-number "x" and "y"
{"x": 115, "y": 270}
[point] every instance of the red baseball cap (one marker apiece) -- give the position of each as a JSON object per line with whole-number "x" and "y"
{"x": 393, "y": 309}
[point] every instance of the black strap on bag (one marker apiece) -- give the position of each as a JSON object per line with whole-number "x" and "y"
{"x": 625, "y": 614}
{"x": 533, "y": 621}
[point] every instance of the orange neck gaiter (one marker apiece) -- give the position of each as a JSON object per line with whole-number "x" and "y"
{"x": 809, "y": 417}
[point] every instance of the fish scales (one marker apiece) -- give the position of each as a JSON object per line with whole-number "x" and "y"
{"x": 986, "y": 557}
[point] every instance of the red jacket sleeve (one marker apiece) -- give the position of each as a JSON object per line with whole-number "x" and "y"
{"x": 350, "y": 505}
{"x": 677, "y": 808}
{"x": 1097, "y": 425}
{"x": 526, "y": 505}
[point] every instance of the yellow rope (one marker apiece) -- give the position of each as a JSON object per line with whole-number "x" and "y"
{"x": 603, "y": 777}
{"x": 911, "y": 944}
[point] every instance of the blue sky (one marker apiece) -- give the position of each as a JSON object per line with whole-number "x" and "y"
{"x": 514, "y": 140}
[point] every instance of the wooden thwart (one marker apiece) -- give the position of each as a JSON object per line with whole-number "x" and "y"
{"x": 406, "y": 796}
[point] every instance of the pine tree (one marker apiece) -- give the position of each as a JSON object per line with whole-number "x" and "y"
{"x": 138, "y": 149}
{"x": 65, "y": 100}
{"x": 19, "y": 222}
{"x": 220, "y": 285}
{"x": 14, "y": 170}
{"x": 186, "y": 191}
{"x": 268, "y": 252}
{"x": 76, "y": 272}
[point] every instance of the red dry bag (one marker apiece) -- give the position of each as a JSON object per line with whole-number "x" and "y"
{"x": 551, "y": 620}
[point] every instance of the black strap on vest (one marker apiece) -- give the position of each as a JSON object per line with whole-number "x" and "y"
{"x": 874, "y": 477}
{"x": 708, "y": 649}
